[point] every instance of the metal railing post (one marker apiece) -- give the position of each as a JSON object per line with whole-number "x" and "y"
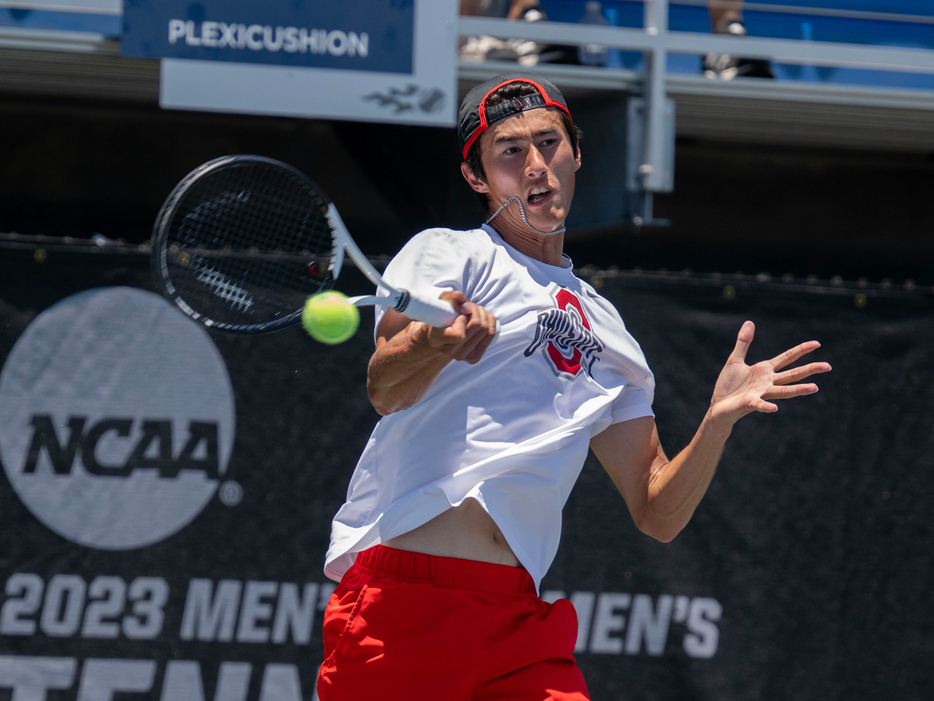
{"x": 654, "y": 178}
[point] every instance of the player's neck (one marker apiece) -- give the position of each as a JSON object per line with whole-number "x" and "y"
{"x": 545, "y": 249}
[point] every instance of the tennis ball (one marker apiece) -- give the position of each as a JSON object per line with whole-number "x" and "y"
{"x": 329, "y": 318}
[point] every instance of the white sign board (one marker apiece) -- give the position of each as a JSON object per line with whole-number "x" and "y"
{"x": 423, "y": 93}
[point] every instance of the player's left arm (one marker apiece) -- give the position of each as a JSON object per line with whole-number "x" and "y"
{"x": 662, "y": 494}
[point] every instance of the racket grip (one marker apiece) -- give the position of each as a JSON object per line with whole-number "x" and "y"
{"x": 435, "y": 312}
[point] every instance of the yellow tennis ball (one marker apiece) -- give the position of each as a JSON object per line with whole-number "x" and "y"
{"x": 329, "y": 318}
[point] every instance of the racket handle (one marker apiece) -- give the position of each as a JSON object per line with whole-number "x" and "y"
{"x": 436, "y": 312}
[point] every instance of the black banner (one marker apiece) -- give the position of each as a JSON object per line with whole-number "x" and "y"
{"x": 803, "y": 574}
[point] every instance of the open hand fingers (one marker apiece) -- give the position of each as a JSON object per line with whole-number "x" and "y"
{"x": 766, "y": 407}
{"x": 786, "y": 385}
{"x": 800, "y": 373}
{"x": 790, "y": 391}
{"x": 743, "y": 339}
{"x": 742, "y": 388}
{"x": 793, "y": 354}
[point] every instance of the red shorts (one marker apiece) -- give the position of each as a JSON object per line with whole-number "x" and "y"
{"x": 408, "y": 626}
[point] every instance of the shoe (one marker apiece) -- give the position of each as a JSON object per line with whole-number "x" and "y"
{"x": 523, "y": 51}
{"x": 529, "y": 52}
{"x": 476, "y": 49}
{"x": 727, "y": 67}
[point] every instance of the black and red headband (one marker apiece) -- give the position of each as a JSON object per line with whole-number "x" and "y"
{"x": 475, "y": 118}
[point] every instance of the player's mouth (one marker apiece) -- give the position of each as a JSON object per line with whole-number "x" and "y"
{"x": 538, "y": 195}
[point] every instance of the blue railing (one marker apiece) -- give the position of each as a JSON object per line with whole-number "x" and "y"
{"x": 895, "y": 23}
{"x": 904, "y": 24}
{"x": 94, "y": 16}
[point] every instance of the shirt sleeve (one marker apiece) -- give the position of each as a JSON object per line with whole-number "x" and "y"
{"x": 432, "y": 262}
{"x": 633, "y": 403}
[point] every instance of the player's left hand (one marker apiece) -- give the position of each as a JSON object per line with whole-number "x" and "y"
{"x": 742, "y": 389}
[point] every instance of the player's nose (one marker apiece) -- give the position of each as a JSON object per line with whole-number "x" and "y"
{"x": 534, "y": 162}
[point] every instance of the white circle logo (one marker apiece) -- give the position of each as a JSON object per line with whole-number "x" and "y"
{"x": 116, "y": 418}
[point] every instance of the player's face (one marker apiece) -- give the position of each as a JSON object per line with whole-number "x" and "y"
{"x": 528, "y": 156}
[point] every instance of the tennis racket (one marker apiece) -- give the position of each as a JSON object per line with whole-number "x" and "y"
{"x": 243, "y": 241}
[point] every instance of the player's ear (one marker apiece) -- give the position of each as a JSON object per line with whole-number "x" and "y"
{"x": 476, "y": 183}
{"x": 577, "y": 159}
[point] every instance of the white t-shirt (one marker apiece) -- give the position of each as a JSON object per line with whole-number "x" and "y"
{"x": 511, "y": 431}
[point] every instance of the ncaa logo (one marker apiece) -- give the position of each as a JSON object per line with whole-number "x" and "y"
{"x": 116, "y": 418}
{"x": 565, "y": 337}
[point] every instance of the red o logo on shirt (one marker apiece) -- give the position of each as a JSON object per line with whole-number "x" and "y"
{"x": 565, "y": 335}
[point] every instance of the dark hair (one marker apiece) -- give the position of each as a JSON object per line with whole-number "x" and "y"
{"x": 503, "y": 94}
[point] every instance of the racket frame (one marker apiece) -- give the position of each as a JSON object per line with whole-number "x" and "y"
{"x": 436, "y": 312}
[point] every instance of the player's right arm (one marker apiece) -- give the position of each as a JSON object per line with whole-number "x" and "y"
{"x": 410, "y": 355}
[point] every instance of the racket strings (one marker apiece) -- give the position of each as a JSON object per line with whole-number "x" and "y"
{"x": 248, "y": 243}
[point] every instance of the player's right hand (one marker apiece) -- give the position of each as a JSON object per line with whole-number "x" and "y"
{"x": 470, "y": 334}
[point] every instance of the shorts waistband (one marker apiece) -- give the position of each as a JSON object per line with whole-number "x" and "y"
{"x": 453, "y": 572}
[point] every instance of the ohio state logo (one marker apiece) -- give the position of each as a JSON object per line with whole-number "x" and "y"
{"x": 565, "y": 337}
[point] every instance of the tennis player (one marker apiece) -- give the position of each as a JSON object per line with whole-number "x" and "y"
{"x": 453, "y": 514}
